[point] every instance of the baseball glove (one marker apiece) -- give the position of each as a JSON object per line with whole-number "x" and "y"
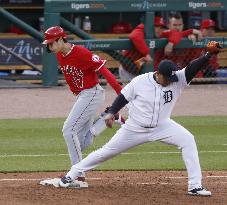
{"x": 139, "y": 63}
{"x": 213, "y": 47}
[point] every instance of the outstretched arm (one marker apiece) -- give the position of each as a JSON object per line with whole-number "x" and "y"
{"x": 110, "y": 79}
{"x": 213, "y": 48}
{"x": 195, "y": 66}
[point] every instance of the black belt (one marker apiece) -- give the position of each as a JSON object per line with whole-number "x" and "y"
{"x": 148, "y": 127}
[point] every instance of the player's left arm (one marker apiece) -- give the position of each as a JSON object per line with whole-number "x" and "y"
{"x": 213, "y": 48}
{"x": 110, "y": 79}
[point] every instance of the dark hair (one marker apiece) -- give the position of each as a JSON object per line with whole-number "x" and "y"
{"x": 174, "y": 14}
{"x": 64, "y": 40}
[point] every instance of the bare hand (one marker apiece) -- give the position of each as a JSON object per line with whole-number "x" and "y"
{"x": 198, "y": 33}
{"x": 192, "y": 37}
{"x": 109, "y": 120}
{"x": 168, "y": 49}
{"x": 147, "y": 59}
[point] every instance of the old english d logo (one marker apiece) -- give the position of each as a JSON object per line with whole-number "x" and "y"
{"x": 168, "y": 96}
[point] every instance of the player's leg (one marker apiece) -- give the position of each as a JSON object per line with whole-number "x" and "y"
{"x": 120, "y": 142}
{"x": 82, "y": 112}
{"x": 175, "y": 134}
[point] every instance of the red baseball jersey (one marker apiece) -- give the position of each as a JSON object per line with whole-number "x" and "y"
{"x": 79, "y": 67}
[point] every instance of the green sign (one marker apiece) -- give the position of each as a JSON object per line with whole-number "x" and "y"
{"x": 133, "y": 5}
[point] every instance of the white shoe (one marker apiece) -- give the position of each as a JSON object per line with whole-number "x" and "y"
{"x": 199, "y": 191}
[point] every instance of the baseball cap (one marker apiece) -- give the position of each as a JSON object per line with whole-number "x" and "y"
{"x": 168, "y": 69}
{"x": 158, "y": 21}
{"x": 207, "y": 23}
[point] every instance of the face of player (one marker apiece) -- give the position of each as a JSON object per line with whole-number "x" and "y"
{"x": 162, "y": 80}
{"x": 208, "y": 32}
{"x": 158, "y": 30}
{"x": 175, "y": 24}
{"x": 56, "y": 46}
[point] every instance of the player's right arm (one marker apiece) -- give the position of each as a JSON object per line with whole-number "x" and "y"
{"x": 117, "y": 105}
{"x": 127, "y": 94}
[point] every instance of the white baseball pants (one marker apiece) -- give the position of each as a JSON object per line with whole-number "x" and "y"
{"x": 126, "y": 137}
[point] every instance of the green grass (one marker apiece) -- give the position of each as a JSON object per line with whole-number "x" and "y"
{"x": 43, "y": 137}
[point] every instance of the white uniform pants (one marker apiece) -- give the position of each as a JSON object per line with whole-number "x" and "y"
{"x": 169, "y": 132}
{"x": 76, "y": 129}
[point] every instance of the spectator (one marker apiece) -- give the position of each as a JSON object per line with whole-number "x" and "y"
{"x": 207, "y": 28}
{"x": 180, "y": 56}
{"x": 140, "y": 49}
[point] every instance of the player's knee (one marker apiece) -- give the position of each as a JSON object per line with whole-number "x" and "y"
{"x": 189, "y": 141}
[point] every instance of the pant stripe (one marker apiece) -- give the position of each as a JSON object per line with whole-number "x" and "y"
{"x": 78, "y": 152}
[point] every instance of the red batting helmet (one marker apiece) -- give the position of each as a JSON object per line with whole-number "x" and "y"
{"x": 158, "y": 21}
{"x": 53, "y": 33}
{"x": 207, "y": 23}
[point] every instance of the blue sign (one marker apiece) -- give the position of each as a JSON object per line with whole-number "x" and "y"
{"x": 28, "y": 48}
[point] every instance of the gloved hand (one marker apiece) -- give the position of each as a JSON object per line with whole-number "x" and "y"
{"x": 139, "y": 63}
{"x": 213, "y": 47}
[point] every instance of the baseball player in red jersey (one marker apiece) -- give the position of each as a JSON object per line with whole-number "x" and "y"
{"x": 152, "y": 97}
{"x": 80, "y": 67}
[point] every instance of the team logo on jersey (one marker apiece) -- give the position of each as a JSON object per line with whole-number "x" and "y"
{"x": 77, "y": 76}
{"x": 168, "y": 96}
{"x": 95, "y": 58}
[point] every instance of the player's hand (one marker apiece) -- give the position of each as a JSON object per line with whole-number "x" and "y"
{"x": 213, "y": 47}
{"x": 192, "y": 37}
{"x": 147, "y": 59}
{"x": 168, "y": 49}
{"x": 198, "y": 34}
{"x": 109, "y": 120}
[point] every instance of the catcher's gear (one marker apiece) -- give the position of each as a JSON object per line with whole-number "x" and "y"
{"x": 53, "y": 33}
{"x": 213, "y": 47}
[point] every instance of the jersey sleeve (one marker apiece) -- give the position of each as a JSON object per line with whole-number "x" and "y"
{"x": 182, "y": 78}
{"x": 129, "y": 91}
{"x": 91, "y": 60}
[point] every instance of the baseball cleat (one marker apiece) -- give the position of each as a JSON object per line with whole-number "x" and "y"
{"x": 67, "y": 182}
{"x": 200, "y": 191}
